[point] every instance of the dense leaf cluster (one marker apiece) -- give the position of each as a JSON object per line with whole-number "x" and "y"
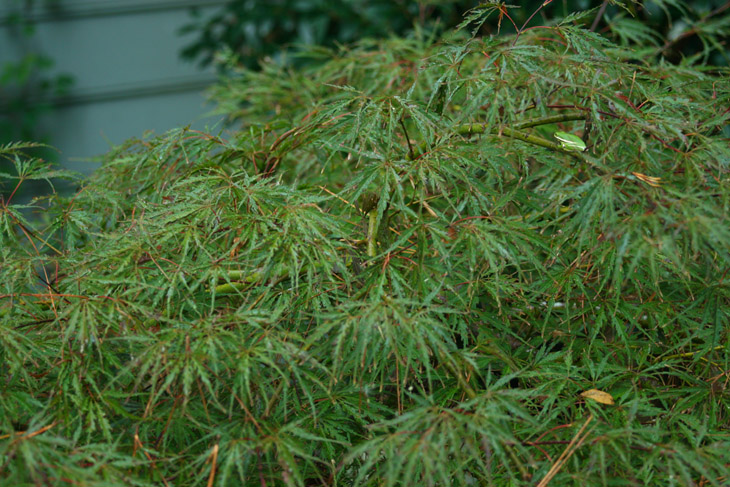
{"x": 390, "y": 273}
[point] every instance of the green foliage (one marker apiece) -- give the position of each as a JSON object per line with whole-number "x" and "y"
{"x": 254, "y": 29}
{"x": 390, "y": 274}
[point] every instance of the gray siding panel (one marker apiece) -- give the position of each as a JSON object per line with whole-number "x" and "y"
{"x": 84, "y": 131}
{"x": 128, "y": 77}
{"x": 70, "y": 9}
{"x": 104, "y": 52}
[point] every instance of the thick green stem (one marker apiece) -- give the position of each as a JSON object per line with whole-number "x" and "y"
{"x": 468, "y": 129}
{"x": 231, "y": 287}
{"x": 240, "y": 280}
{"x": 563, "y": 117}
{"x": 532, "y": 139}
{"x": 372, "y": 231}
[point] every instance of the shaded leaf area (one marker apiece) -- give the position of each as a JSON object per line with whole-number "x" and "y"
{"x": 391, "y": 273}
{"x": 682, "y": 32}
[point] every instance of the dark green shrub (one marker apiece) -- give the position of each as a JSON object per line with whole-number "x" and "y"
{"x": 253, "y": 29}
{"x": 392, "y": 274}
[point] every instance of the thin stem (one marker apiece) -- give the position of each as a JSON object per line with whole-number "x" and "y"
{"x": 408, "y": 139}
{"x": 599, "y": 15}
{"x": 546, "y": 2}
{"x": 20, "y": 181}
{"x": 694, "y": 29}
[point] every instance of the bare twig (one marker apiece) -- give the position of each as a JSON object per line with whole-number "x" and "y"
{"x": 522, "y": 29}
{"x": 574, "y": 444}
{"x": 599, "y": 15}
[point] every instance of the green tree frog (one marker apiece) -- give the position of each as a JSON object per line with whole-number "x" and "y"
{"x": 570, "y": 142}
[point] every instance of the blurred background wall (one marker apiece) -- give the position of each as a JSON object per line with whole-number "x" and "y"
{"x": 106, "y": 70}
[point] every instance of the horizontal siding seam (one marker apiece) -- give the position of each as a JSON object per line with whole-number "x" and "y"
{"x": 123, "y": 92}
{"x": 82, "y": 10}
